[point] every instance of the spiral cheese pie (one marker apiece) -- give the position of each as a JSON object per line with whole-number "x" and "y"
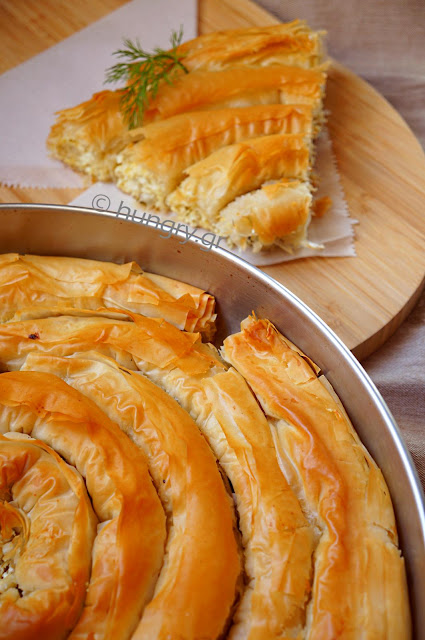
{"x": 318, "y": 537}
{"x": 200, "y": 523}
{"x": 238, "y": 85}
{"x": 270, "y": 515}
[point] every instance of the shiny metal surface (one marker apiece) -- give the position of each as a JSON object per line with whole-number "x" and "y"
{"x": 239, "y": 289}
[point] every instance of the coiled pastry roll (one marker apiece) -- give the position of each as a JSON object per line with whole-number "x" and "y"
{"x": 153, "y": 341}
{"x": 29, "y": 283}
{"x": 153, "y": 167}
{"x": 278, "y": 541}
{"x": 277, "y": 213}
{"x": 198, "y": 583}
{"x": 47, "y": 528}
{"x": 209, "y": 185}
{"x": 358, "y": 573}
{"x": 129, "y": 546}
{"x": 241, "y": 86}
{"x": 359, "y": 588}
{"x": 290, "y": 43}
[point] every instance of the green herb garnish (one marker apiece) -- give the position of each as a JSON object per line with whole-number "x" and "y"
{"x": 144, "y": 72}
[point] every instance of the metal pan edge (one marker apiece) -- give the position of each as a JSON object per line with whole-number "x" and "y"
{"x": 240, "y": 288}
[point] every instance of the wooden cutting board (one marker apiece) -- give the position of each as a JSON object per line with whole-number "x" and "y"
{"x": 382, "y": 167}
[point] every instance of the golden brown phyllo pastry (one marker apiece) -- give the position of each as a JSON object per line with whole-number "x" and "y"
{"x": 232, "y": 496}
{"x": 128, "y": 550}
{"x": 343, "y": 493}
{"x": 39, "y": 284}
{"x": 90, "y": 135}
{"x": 211, "y": 184}
{"x": 254, "y": 219}
{"x": 252, "y": 82}
{"x": 44, "y": 578}
{"x": 152, "y": 168}
{"x": 185, "y": 474}
{"x": 293, "y": 43}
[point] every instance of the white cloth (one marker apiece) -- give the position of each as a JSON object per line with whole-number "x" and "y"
{"x": 66, "y": 74}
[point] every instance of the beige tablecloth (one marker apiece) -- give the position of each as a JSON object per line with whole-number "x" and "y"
{"x": 384, "y": 42}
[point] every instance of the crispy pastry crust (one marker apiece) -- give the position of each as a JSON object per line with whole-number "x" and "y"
{"x": 277, "y": 539}
{"x": 359, "y": 577}
{"x": 153, "y": 167}
{"x": 128, "y": 549}
{"x": 235, "y": 170}
{"x": 201, "y": 555}
{"x": 30, "y": 282}
{"x": 291, "y": 43}
{"x": 277, "y": 213}
{"x": 238, "y": 87}
{"x": 89, "y": 136}
{"x": 44, "y": 577}
{"x": 162, "y": 343}
{"x": 358, "y": 571}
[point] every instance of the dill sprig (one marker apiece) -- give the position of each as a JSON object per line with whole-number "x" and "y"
{"x": 144, "y": 72}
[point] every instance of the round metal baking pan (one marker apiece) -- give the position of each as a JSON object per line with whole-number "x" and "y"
{"x": 239, "y": 289}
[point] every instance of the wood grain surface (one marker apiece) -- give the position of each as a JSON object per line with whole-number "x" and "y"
{"x": 382, "y": 167}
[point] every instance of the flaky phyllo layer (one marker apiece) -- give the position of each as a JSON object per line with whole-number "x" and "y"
{"x": 152, "y": 487}
{"x": 34, "y": 285}
{"x": 241, "y": 85}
